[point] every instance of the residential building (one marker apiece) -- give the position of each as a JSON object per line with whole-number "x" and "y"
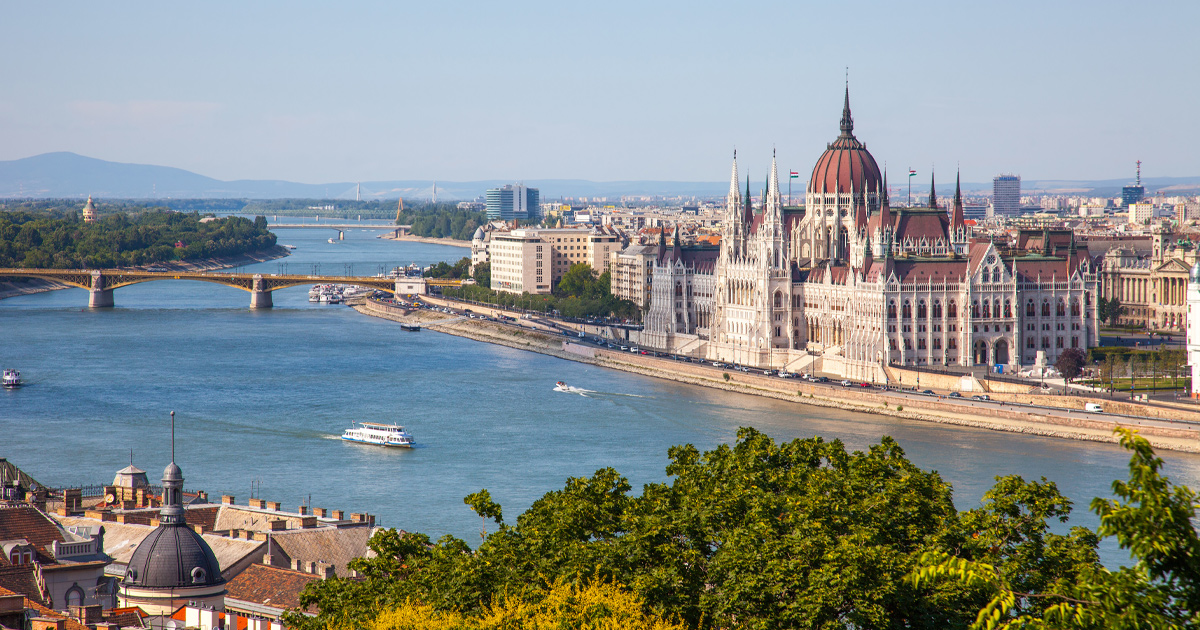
{"x": 533, "y": 260}
{"x": 513, "y": 201}
{"x": 1140, "y": 213}
{"x": 632, "y": 269}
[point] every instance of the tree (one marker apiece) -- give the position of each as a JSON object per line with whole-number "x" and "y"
{"x": 1151, "y": 518}
{"x": 578, "y": 281}
{"x": 483, "y": 274}
{"x": 1114, "y": 311}
{"x": 1070, "y": 363}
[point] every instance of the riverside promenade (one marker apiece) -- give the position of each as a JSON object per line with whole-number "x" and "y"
{"x": 1050, "y": 416}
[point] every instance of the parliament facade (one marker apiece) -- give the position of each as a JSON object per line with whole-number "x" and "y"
{"x": 846, "y": 284}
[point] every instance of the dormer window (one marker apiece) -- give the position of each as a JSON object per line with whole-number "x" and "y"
{"x": 198, "y": 575}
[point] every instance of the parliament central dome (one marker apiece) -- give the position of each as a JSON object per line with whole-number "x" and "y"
{"x": 846, "y": 163}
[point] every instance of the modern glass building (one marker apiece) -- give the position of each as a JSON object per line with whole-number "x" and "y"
{"x": 513, "y": 201}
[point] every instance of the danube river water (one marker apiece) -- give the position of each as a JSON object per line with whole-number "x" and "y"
{"x": 262, "y": 396}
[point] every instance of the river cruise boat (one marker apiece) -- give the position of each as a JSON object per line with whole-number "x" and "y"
{"x": 12, "y": 379}
{"x": 392, "y": 435}
{"x": 411, "y": 327}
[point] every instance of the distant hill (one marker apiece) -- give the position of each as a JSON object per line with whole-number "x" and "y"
{"x": 66, "y": 175}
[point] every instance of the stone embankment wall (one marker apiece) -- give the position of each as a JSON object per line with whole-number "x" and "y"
{"x": 930, "y": 409}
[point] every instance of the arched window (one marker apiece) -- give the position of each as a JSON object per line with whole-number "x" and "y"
{"x": 892, "y": 310}
{"x": 996, "y": 308}
{"x": 951, "y": 309}
{"x": 1074, "y": 308}
{"x": 937, "y": 309}
{"x": 975, "y": 308}
{"x": 198, "y": 575}
{"x": 922, "y": 313}
{"x": 1045, "y": 308}
{"x": 1030, "y": 309}
{"x": 1062, "y": 308}
{"x": 987, "y": 308}
{"x": 778, "y": 299}
{"x": 1008, "y": 308}
{"x": 907, "y": 310}
{"x": 14, "y": 556}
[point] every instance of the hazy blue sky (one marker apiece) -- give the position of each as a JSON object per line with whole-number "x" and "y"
{"x": 317, "y": 92}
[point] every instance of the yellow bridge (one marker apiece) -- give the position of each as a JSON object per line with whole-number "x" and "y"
{"x": 100, "y": 283}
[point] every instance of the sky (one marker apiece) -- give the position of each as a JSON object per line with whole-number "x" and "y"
{"x": 604, "y": 91}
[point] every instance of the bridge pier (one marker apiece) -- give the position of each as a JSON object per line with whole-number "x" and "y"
{"x": 98, "y": 296}
{"x": 260, "y": 297}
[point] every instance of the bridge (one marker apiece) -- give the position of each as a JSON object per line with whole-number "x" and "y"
{"x": 335, "y": 226}
{"x": 100, "y": 283}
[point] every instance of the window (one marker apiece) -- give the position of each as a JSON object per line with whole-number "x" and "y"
{"x": 921, "y": 312}
{"x": 891, "y": 310}
{"x": 907, "y": 310}
{"x": 908, "y": 344}
{"x": 987, "y": 308}
{"x": 951, "y": 344}
{"x": 893, "y": 344}
{"x": 1008, "y": 308}
{"x": 1074, "y": 308}
{"x": 937, "y": 309}
{"x": 937, "y": 344}
{"x": 951, "y": 309}
{"x": 1046, "y": 342}
{"x": 1062, "y": 308}
{"x": 1045, "y": 308}
{"x": 921, "y": 343}
{"x": 1031, "y": 343}
{"x": 1074, "y": 342}
{"x": 1058, "y": 342}
{"x": 1030, "y": 310}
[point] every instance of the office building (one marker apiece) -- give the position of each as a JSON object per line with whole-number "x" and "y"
{"x": 1006, "y": 195}
{"x": 513, "y": 201}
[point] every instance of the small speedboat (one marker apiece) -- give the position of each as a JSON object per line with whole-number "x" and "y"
{"x": 560, "y": 386}
{"x": 12, "y": 379}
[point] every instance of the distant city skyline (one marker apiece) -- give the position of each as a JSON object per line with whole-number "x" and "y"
{"x": 621, "y": 91}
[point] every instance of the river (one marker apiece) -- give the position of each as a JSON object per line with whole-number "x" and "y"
{"x": 262, "y": 396}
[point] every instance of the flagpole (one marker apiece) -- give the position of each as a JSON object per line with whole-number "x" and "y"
{"x": 789, "y": 186}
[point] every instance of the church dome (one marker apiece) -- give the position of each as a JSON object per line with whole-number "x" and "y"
{"x": 173, "y": 556}
{"x": 846, "y": 163}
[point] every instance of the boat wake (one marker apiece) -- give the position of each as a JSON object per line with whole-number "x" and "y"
{"x": 590, "y": 393}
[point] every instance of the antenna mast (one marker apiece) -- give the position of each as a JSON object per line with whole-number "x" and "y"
{"x": 1139, "y": 172}
{"x": 172, "y": 439}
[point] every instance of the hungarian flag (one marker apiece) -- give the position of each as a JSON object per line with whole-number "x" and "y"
{"x": 911, "y": 172}
{"x": 794, "y": 174}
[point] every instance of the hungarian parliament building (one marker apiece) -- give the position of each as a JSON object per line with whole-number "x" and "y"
{"x": 847, "y": 285}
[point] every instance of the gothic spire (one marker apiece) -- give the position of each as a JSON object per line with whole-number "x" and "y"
{"x": 932, "y": 190}
{"x": 847, "y": 124}
{"x": 957, "y": 221}
{"x": 749, "y": 216}
{"x": 733, "y": 181}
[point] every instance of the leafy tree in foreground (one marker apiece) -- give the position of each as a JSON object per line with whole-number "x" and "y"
{"x": 1150, "y": 517}
{"x": 801, "y": 534}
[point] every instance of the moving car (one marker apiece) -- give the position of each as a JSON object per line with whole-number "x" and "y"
{"x": 1093, "y": 407}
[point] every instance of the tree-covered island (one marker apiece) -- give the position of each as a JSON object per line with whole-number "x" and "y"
{"x": 46, "y": 236}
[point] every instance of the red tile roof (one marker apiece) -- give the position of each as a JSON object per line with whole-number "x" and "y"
{"x": 43, "y": 611}
{"x": 32, "y": 525}
{"x": 20, "y": 579}
{"x": 270, "y": 586}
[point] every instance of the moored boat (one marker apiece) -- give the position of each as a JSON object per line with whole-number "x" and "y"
{"x": 391, "y": 435}
{"x": 411, "y": 327}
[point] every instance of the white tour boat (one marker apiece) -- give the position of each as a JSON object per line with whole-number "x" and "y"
{"x": 561, "y": 387}
{"x": 12, "y": 379}
{"x": 379, "y": 435}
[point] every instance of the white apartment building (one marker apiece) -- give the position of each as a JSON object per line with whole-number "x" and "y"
{"x": 1140, "y": 213}
{"x": 534, "y": 260}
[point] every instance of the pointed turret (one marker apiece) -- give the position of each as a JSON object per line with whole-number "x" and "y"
{"x": 748, "y": 217}
{"x": 847, "y": 123}
{"x": 676, "y": 250}
{"x": 957, "y": 222}
{"x": 932, "y": 190}
{"x": 734, "y": 197}
{"x": 860, "y": 209}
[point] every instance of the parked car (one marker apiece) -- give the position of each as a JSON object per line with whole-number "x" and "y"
{"x": 927, "y": 392}
{"x": 954, "y": 395}
{"x": 1093, "y": 407}
{"x": 768, "y": 372}
{"x": 864, "y": 385}
{"x": 845, "y": 383}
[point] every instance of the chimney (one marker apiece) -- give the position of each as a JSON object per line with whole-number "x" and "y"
{"x": 201, "y": 496}
{"x": 310, "y": 567}
{"x": 339, "y": 515}
{"x": 302, "y": 510}
{"x": 12, "y": 603}
{"x": 277, "y": 525}
{"x": 268, "y": 559}
{"x": 296, "y": 565}
{"x": 273, "y": 506}
{"x": 199, "y": 529}
{"x": 326, "y": 571}
{"x": 308, "y": 522}
{"x": 87, "y": 615}
{"x": 358, "y": 518}
{"x": 258, "y": 503}
{"x": 226, "y": 499}
{"x": 46, "y": 623}
{"x": 320, "y": 512}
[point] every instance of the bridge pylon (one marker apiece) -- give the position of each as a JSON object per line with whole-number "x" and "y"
{"x": 98, "y": 296}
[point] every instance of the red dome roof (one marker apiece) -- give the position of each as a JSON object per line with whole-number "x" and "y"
{"x": 846, "y": 163}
